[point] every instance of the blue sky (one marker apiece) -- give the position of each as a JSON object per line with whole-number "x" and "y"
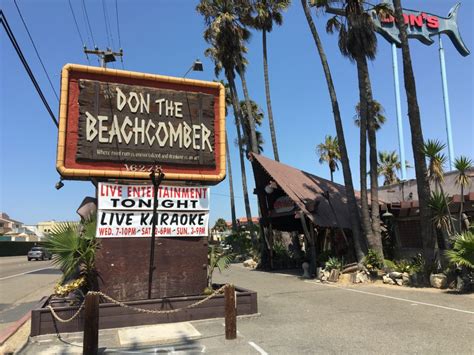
{"x": 164, "y": 37}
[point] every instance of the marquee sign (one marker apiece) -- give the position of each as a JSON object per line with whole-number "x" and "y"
{"x": 127, "y": 211}
{"x": 422, "y": 26}
{"x": 121, "y": 124}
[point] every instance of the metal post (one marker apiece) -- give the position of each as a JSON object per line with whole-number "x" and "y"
{"x": 90, "y": 345}
{"x": 156, "y": 183}
{"x": 401, "y": 142}
{"x": 447, "y": 113}
{"x": 230, "y": 313}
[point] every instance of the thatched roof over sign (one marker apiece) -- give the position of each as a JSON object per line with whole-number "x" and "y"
{"x": 306, "y": 190}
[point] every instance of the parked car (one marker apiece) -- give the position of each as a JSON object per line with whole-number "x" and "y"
{"x": 39, "y": 253}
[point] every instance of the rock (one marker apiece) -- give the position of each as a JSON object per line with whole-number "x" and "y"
{"x": 361, "y": 277}
{"x": 438, "y": 280}
{"x": 324, "y": 276}
{"x": 406, "y": 278}
{"x": 395, "y": 275}
{"x": 334, "y": 275}
{"x": 388, "y": 280}
{"x": 250, "y": 263}
{"x": 399, "y": 282}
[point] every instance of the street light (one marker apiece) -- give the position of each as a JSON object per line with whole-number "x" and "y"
{"x": 197, "y": 66}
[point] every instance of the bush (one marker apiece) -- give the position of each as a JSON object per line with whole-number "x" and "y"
{"x": 372, "y": 261}
{"x": 334, "y": 263}
{"x": 417, "y": 264}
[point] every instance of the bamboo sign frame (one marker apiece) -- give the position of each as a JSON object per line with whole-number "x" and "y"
{"x": 201, "y": 101}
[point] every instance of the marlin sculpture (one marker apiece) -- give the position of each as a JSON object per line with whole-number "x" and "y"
{"x": 420, "y": 25}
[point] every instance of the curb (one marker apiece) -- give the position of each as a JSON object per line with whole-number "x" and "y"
{"x": 12, "y": 329}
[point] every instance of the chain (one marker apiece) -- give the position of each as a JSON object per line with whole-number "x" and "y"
{"x": 69, "y": 319}
{"x": 142, "y": 310}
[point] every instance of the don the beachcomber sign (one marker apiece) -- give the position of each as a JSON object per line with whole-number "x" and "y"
{"x": 124, "y": 124}
{"x": 127, "y": 211}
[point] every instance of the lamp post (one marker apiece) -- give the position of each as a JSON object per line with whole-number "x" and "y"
{"x": 196, "y": 66}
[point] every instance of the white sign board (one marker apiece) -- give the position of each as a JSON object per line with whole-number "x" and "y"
{"x": 140, "y": 197}
{"x": 127, "y": 211}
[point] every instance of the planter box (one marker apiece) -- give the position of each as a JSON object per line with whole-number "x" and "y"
{"x": 114, "y": 316}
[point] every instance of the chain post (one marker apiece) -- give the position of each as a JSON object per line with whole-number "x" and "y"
{"x": 91, "y": 325}
{"x": 230, "y": 313}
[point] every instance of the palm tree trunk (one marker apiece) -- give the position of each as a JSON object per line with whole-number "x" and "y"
{"x": 238, "y": 116}
{"x": 423, "y": 185}
{"x": 365, "y": 216}
{"x": 461, "y": 207}
{"x": 231, "y": 186}
{"x": 346, "y": 169}
{"x": 375, "y": 239}
{"x": 267, "y": 92}
{"x": 332, "y": 175}
{"x": 253, "y": 133}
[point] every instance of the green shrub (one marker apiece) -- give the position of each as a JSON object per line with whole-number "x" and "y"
{"x": 372, "y": 261}
{"x": 462, "y": 253}
{"x": 334, "y": 263}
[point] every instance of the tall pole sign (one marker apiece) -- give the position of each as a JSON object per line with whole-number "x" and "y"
{"x": 423, "y": 26}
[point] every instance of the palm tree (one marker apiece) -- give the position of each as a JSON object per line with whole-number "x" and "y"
{"x": 388, "y": 165}
{"x": 462, "y": 165}
{"x": 462, "y": 253}
{"x": 227, "y": 38}
{"x": 228, "y": 102}
{"x": 379, "y": 112}
{"x": 227, "y": 35}
{"x": 423, "y": 185}
{"x": 258, "y": 115}
{"x": 329, "y": 153}
{"x": 346, "y": 169}
{"x": 216, "y": 55}
{"x": 74, "y": 247}
{"x": 358, "y": 42}
{"x": 268, "y": 12}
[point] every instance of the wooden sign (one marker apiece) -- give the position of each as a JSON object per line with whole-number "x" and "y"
{"x": 120, "y": 124}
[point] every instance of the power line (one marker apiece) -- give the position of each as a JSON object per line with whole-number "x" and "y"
{"x": 108, "y": 28}
{"x": 118, "y": 30}
{"x": 86, "y": 16}
{"x": 15, "y": 44}
{"x": 77, "y": 28}
{"x": 36, "y": 50}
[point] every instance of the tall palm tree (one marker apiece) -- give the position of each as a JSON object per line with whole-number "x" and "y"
{"x": 359, "y": 245}
{"x": 264, "y": 14}
{"x": 423, "y": 185}
{"x": 462, "y": 165}
{"x": 388, "y": 166}
{"x": 228, "y": 102}
{"x": 358, "y": 42}
{"x": 226, "y": 34}
{"x": 329, "y": 153}
{"x": 258, "y": 115}
{"x": 222, "y": 62}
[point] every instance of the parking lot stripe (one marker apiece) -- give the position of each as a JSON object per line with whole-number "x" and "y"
{"x": 258, "y": 348}
{"x": 24, "y": 273}
{"x": 394, "y": 298}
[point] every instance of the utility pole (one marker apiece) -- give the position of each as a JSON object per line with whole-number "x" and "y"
{"x": 106, "y": 56}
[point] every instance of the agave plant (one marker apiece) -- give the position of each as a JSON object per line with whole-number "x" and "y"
{"x": 74, "y": 247}
{"x": 462, "y": 253}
